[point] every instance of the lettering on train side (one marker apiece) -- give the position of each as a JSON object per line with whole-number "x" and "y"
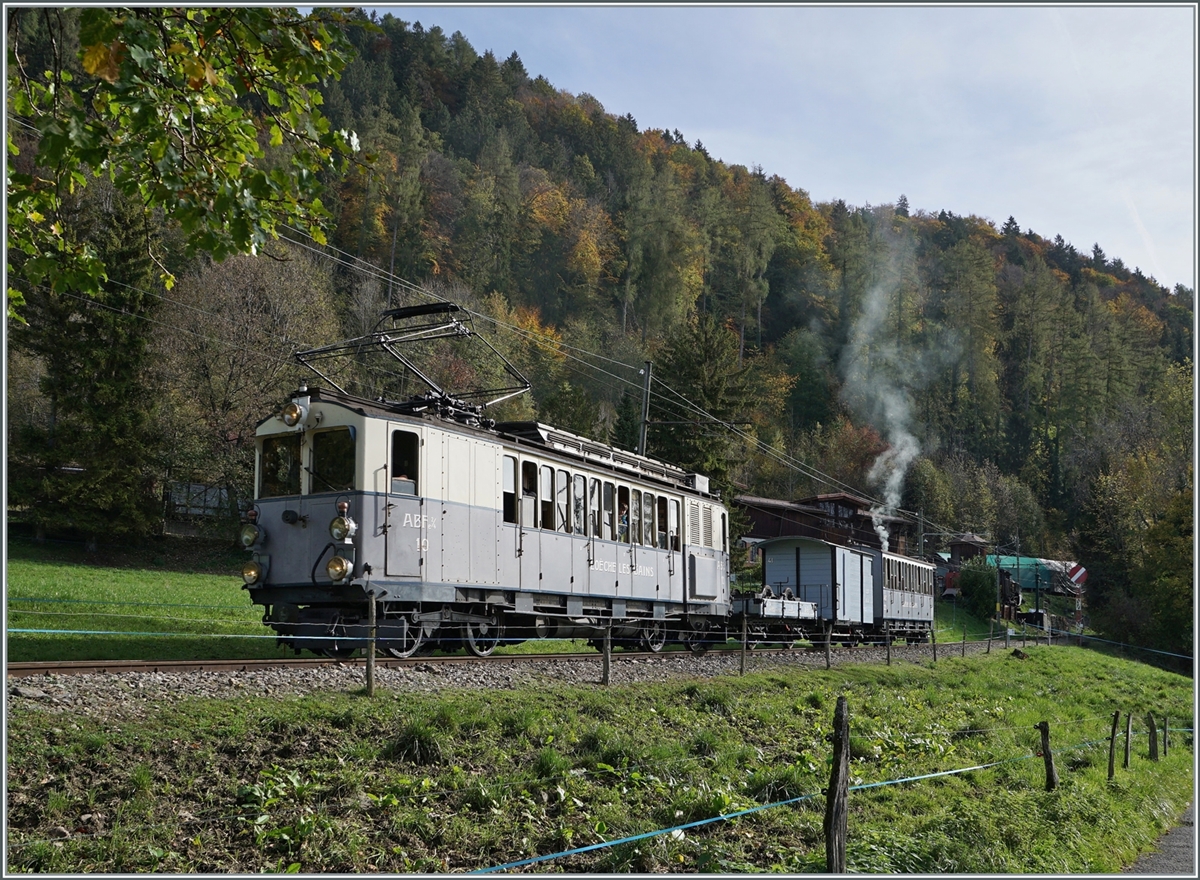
{"x": 623, "y": 568}
{"x": 419, "y": 521}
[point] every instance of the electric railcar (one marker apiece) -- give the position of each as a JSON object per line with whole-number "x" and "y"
{"x": 469, "y": 535}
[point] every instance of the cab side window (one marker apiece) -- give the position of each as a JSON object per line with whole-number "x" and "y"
{"x": 510, "y": 489}
{"x": 406, "y": 446}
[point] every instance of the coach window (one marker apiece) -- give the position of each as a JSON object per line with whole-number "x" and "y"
{"x": 332, "y": 461}
{"x": 562, "y": 505}
{"x": 662, "y": 523}
{"x": 546, "y": 512}
{"x": 529, "y": 494}
{"x": 579, "y": 506}
{"x": 648, "y": 519}
{"x": 510, "y": 489}
{"x": 279, "y": 467}
{"x": 635, "y": 517}
{"x": 623, "y": 514}
{"x": 594, "y": 508}
{"x": 405, "y": 447}
{"x": 609, "y": 532}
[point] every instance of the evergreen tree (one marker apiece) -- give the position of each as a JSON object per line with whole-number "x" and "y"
{"x": 91, "y": 468}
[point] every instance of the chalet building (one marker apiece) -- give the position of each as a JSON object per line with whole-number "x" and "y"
{"x": 839, "y": 518}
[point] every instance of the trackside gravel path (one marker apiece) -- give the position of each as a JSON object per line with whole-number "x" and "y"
{"x": 1175, "y": 853}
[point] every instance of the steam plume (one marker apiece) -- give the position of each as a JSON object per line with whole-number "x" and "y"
{"x": 877, "y": 372}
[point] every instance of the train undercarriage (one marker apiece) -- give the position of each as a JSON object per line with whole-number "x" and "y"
{"x": 406, "y": 629}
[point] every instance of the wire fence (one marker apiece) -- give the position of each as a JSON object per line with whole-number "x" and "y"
{"x": 218, "y": 815}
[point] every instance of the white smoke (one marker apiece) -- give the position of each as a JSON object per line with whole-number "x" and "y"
{"x": 878, "y": 372}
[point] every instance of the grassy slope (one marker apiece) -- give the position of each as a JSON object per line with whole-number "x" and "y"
{"x": 464, "y": 780}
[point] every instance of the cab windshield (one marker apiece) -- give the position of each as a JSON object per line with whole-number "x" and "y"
{"x": 279, "y": 471}
{"x": 332, "y": 461}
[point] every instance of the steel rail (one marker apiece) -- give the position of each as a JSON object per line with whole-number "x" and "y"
{"x": 118, "y": 667}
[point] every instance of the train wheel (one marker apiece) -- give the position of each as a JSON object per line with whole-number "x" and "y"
{"x": 407, "y": 643}
{"x": 340, "y": 653}
{"x": 482, "y": 638}
{"x": 654, "y": 636}
{"x": 696, "y": 638}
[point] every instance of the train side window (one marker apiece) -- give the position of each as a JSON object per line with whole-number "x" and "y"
{"x": 579, "y": 519}
{"x": 546, "y": 512}
{"x": 648, "y": 520}
{"x": 623, "y": 514}
{"x": 610, "y": 530}
{"x": 662, "y": 523}
{"x": 332, "y": 461}
{"x": 529, "y": 494}
{"x": 562, "y": 504}
{"x": 279, "y": 466}
{"x": 635, "y": 517}
{"x": 594, "y": 507}
{"x": 406, "y": 446}
{"x": 510, "y": 489}
{"x": 673, "y": 525}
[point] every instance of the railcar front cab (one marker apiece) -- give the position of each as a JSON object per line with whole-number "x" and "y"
{"x": 302, "y": 526}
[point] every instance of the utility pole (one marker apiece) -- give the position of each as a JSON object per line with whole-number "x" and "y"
{"x": 645, "y": 409}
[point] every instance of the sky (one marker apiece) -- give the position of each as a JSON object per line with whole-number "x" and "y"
{"x": 1077, "y": 121}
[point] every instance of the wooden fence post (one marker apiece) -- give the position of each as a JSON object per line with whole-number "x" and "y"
{"x": 887, "y": 640}
{"x": 933, "y": 635}
{"x": 1165, "y": 728}
{"x": 964, "y": 646}
{"x": 1128, "y": 737}
{"x": 606, "y": 668}
{"x": 1153, "y": 736}
{"x": 828, "y": 636}
{"x": 742, "y": 670}
{"x": 1023, "y": 633}
{"x": 371, "y": 643}
{"x": 1048, "y": 756}
{"x": 991, "y": 625}
{"x": 1112, "y": 743}
{"x": 1007, "y": 630}
{"x": 838, "y": 792}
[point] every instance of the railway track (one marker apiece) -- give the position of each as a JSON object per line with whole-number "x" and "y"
{"x": 119, "y": 667}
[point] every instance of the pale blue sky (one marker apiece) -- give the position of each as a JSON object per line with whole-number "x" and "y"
{"x": 1077, "y": 121}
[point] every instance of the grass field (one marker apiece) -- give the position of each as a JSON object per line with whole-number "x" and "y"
{"x": 464, "y": 780}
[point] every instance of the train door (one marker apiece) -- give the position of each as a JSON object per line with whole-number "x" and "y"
{"x": 602, "y": 500}
{"x": 529, "y": 544}
{"x": 554, "y": 515}
{"x": 508, "y": 539}
{"x": 406, "y": 521}
{"x": 582, "y": 548}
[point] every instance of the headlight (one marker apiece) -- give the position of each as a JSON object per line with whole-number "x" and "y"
{"x": 338, "y": 569}
{"x": 251, "y": 572}
{"x": 292, "y": 414}
{"x": 342, "y": 528}
{"x": 250, "y": 535}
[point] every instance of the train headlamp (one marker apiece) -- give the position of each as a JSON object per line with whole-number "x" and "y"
{"x": 293, "y": 414}
{"x": 338, "y": 569}
{"x": 342, "y": 528}
{"x": 251, "y": 572}
{"x": 250, "y": 535}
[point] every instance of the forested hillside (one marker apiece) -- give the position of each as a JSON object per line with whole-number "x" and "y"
{"x": 999, "y": 380}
